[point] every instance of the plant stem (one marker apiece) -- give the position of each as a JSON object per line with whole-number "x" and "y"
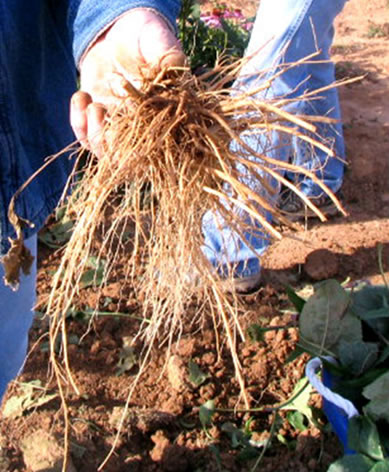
{"x": 265, "y": 447}
{"x": 265, "y": 409}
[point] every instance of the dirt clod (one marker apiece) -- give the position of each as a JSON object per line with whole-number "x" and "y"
{"x": 321, "y": 264}
{"x": 42, "y": 452}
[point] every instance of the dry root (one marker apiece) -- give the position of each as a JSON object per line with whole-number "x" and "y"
{"x": 167, "y": 159}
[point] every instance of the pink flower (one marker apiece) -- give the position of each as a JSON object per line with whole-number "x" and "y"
{"x": 248, "y": 26}
{"x": 212, "y": 21}
{"x": 236, "y": 14}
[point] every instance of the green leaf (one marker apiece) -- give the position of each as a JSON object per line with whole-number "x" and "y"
{"x": 352, "y": 388}
{"x": 384, "y": 355}
{"x": 256, "y": 332}
{"x": 382, "y": 466}
{"x": 31, "y": 396}
{"x": 357, "y": 356}
{"x": 206, "y": 413}
{"x": 301, "y": 402}
{"x": 238, "y": 438}
{"x": 370, "y": 299}
{"x": 56, "y": 235}
{"x": 94, "y": 276}
{"x": 354, "y": 463}
{"x": 363, "y": 437}
{"x": 371, "y": 304}
{"x": 325, "y": 319}
{"x": 196, "y": 376}
{"x": 375, "y": 314}
{"x": 377, "y": 393}
{"x": 297, "y": 301}
{"x": 296, "y": 419}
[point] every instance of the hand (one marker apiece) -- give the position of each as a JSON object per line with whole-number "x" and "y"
{"x": 139, "y": 43}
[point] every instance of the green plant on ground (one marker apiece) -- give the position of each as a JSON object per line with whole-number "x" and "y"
{"x": 299, "y": 415}
{"x": 351, "y": 325}
{"x": 58, "y": 233}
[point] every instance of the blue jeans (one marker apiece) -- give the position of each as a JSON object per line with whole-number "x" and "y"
{"x": 16, "y": 315}
{"x": 286, "y": 31}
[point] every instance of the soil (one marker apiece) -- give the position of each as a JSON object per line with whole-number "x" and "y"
{"x": 162, "y": 430}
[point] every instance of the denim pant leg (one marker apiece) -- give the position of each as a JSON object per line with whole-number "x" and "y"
{"x": 286, "y": 31}
{"x": 16, "y": 315}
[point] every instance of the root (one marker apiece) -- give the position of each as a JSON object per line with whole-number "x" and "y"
{"x": 167, "y": 161}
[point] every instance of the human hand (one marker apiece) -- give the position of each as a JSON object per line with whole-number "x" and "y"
{"x": 138, "y": 44}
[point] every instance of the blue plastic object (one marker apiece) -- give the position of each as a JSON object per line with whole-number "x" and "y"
{"x": 336, "y": 416}
{"x": 338, "y": 410}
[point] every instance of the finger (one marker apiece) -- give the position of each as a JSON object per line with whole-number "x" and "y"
{"x": 95, "y": 115}
{"x": 78, "y": 116}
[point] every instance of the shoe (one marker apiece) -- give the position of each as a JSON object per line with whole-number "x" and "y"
{"x": 295, "y": 209}
{"x": 243, "y": 285}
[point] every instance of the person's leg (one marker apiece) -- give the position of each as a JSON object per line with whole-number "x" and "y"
{"x": 16, "y": 316}
{"x": 285, "y": 32}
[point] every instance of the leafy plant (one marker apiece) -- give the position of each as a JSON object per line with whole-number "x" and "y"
{"x": 298, "y": 408}
{"x": 241, "y": 440}
{"x": 206, "y": 412}
{"x": 205, "y": 37}
{"x": 376, "y": 30}
{"x": 352, "y": 326}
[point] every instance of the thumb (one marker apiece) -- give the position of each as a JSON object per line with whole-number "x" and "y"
{"x": 151, "y": 45}
{"x": 159, "y": 47}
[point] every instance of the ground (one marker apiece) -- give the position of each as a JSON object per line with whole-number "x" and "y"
{"x": 163, "y": 430}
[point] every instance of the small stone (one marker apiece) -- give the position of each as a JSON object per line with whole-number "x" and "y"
{"x": 176, "y": 372}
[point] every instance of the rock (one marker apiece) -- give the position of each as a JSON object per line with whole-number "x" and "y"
{"x": 42, "y": 452}
{"x": 176, "y": 372}
{"x": 321, "y": 264}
